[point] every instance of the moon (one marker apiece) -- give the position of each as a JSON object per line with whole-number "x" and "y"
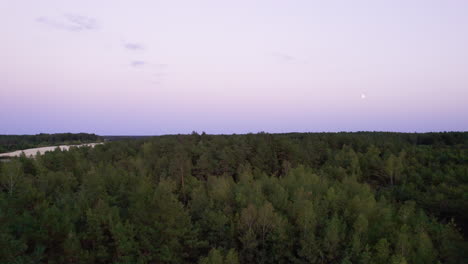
{"x": 363, "y": 96}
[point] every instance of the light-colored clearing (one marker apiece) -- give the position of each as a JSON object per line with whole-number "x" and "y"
{"x": 33, "y": 151}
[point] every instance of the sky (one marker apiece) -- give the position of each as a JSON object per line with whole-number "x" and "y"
{"x": 153, "y": 67}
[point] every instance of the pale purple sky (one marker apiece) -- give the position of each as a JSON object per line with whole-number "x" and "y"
{"x": 163, "y": 67}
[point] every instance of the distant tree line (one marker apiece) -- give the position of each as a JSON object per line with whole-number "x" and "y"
{"x": 255, "y": 198}
{"x": 17, "y": 142}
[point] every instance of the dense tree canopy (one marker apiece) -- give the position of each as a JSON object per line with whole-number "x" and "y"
{"x": 255, "y": 198}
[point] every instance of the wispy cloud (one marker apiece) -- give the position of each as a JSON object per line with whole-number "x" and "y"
{"x": 287, "y": 59}
{"x": 283, "y": 57}
{"x": 134, "y": 46}
{"x": 82, "y": 21}
{"x": 69, "y": 22}
{"x": 137, "y": 63}
{"x": 157, "y": 66}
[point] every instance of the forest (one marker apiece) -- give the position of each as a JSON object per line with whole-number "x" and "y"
{"x": 364, "y": 197}
{"x": 18, "y": 142}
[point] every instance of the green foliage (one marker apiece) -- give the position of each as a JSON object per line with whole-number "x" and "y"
{"x": 216, "y": 257}
{"x": 16, "y": 142}
{"x": 286, "y": 198}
